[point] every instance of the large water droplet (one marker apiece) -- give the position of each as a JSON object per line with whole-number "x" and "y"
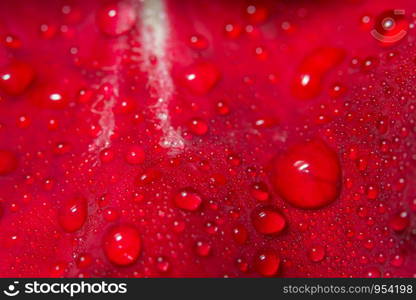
{"x": 122, "y": 245}
{"x": 200, "y": 78}
{"x": 16, "y": 77}
{"x": 308, "y": 175}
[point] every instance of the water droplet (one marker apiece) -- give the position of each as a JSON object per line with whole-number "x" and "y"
{"x": 198, "y": 42}
{"x": 261, "y": 53}
{"x": 48, "y": 184}
{"x": 372, "y": 192}
{"x": 260, "y": 191}
{"x": 48, "y": 31}
{"x": 122, "y": 245}
{"x": 202, "y": 249}
{"x": 61, "y": 148}
{"x": 162, "y": 264}
{"x": 73, "y": 214}
{"x": 317, "y": 253}
{"x": 188, "y": 199}
{"x": 240, "y": 234}
{"x": 12, "y": 42}
{"x": 242, "y": 265}
{"x": 126, "y": 106}
{"x": 337, "y": 90}
{"x": 369, "y": 244}
{"x": 84, "y": 260}
{"x": 148, "y": 176}
{"x": 200, "y": 78}
{"x": 218, "y": 179}
{"x": 211, "y": 228}
{"x": 308, "y": 79}
{"x": 24, "y": 121}
{"x": 85, "y": 95}
{"x": 53, "y": 124}
{"x": 234, "y": 160}
{"x": 179, "y": 226}
{"x": 256, "y": 13}
{"x": 16, "y": 77}
{"x": 107, "y": 155}
{"x": 373, "y": 273}
{"x": 267, "y": 263}
{"x": 116, "y": 19}
{"x": 50, "y": 96}
{"x": 268, "y": 221}
{"x": 198, "y": 126}
{"x": 135, "y": 155}
{"x": 58, "y": 270}
{"x": 232, "y": 30}
{"x": 308, "y": 175}
{"x": 362, "y": 163}
{"x": 400, "y": 222}
{"x": 397, "y": 260}
{"x": 111, "y": 214}
{"x": 137, "y": 197}
{"x": 222, "y": 108}
{"x": 382, "y": 125}
{"x": 369, "y": 63}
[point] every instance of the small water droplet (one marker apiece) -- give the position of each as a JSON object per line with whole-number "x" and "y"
{"x": 260, "y": 191}
{"x": 203, "y": 249}
{"x": 268, "y": 221}
{"x": 200, "y": 78}
{"x": 267, "y": 263}
{"x": 122, "y": 245}
{"x": 198, "y": 126}
{"x": 316, "y": 253}
{"x": 240, "y": 234}
{"x": 73, "y": 214}
{"x": 188, "y": 199}
{"x": 400, "y": 222}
